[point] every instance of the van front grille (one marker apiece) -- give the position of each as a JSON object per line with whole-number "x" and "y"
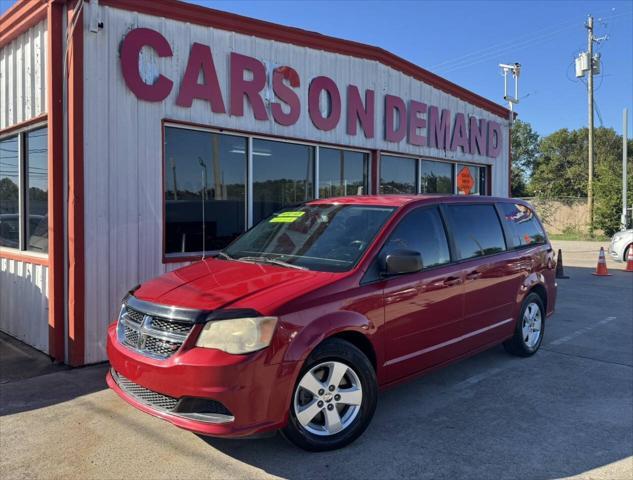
{"x": 150, "y": 334}
{"x": 144, "y": 395}
{"x": 200, "y": 409}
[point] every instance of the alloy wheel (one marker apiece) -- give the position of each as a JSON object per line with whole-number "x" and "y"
{"x": 532, "y": 324}
{"x": 328, "y": 398}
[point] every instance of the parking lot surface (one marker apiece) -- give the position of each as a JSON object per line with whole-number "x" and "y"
{"x": 565, "y": 412}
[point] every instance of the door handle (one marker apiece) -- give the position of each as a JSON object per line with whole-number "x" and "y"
{"x": 474, "y": 275}
{"x": 450, "y": 281}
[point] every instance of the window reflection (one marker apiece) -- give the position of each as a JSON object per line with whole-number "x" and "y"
{"x": 37, "y": 197}
{"x": 342, "y": 172}
{"x": 398, "y": 175}
{"x": 205, "y": 177}
{"x": 436, "y": 177}
{"x": 282, "y": 176}
{"x": 9, "y": 193}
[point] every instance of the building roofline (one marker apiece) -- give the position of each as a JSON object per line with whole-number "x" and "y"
{"x": 26, "y": 13}
{"x": 20, "y": 17}
{"x": 205, "y": 16}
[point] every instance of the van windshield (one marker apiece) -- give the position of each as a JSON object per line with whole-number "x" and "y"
{"x": 324, "y": 237}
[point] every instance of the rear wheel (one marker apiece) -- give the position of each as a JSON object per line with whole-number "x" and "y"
{"x": 626, "y": 253}
{"x": 334, "y": 398}
{"x": 530, "y": 327}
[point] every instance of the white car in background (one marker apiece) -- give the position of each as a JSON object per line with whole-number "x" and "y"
{"x": 621, "y": 242}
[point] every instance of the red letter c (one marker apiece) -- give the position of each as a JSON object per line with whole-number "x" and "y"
{"x": 131, "y": 47}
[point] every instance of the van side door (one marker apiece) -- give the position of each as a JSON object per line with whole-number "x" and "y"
{"x": 423, "y": 310}
{"x": 491, "y": 279}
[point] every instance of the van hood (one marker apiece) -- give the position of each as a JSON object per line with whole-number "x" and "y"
{"x": 214, "y": 283}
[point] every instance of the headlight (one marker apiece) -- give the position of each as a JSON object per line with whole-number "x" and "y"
{"x": 240, "y": 335}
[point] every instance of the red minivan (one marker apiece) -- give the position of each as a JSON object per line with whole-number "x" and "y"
{"x": 299, "y": 322}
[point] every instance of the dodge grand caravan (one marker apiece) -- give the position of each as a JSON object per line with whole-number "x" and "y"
{"x": 297, "y": 324}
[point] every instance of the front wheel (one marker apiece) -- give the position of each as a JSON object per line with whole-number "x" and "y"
{"x": 530, "y": 327}
{"x": 334, "y": 398}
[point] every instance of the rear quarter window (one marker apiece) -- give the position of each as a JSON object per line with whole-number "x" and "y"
{"x": 476, "y": 230}
{"x": 522, "y": 225}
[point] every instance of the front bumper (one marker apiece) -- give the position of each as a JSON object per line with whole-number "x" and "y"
{"x": 615, "y": 252}
{"x": 256, "y": 392}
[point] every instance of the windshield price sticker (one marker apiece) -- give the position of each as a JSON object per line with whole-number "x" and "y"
{"x": 286, "y": 217}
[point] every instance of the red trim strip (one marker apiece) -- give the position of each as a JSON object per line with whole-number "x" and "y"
{"x": 76, "y": 269}
{"x": 54, "y": 85}
{"x": 22, "y": 125}
{"x": 19, "y": 18}
{"x": 198, "y": 15}
{"x": 24, "y": 257}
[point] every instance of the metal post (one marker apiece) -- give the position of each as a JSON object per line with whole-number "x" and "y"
{"x": 590, "y": 126}
{"x": 625, "y": 117}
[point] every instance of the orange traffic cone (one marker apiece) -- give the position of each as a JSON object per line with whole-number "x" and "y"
{"x": 629, "y": 261}
{"x": 601, "y": 268}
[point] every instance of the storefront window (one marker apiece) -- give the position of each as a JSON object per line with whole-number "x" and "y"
{"x": 205, "y": 188}
{"x": 398, "y": 175}
{"x": 470, "y": 180}
{"x": 436, "y": 177}
{"x": 342, "y": 172}
{"x": 9, "y": 193}
{"x": 283, "y": 175}
{"x": 37, "y": 197}
{"x": 24, "y": 191}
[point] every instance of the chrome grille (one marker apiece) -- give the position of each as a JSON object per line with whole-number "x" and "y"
{"x": 134, "y": 316}
{"x": 160, "y": 347}
{"x": 141, "y": 329}
{"x": 171, "y": 326}
{"x": 131, "y": 336}
{"x": 142, "y": 394}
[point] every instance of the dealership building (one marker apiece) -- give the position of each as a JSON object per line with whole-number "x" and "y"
{"x": 137, "y": 134}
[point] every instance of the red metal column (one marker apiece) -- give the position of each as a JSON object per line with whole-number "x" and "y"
{"x": 55, "y": 107}
{"x": 76, "y": 277}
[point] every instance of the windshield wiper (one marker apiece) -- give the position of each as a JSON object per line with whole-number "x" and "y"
{"x": 273, "y": 261}
{"x": 226, "y": 256}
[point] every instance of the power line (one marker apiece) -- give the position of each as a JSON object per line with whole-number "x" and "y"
{"x": 475, "y": 58}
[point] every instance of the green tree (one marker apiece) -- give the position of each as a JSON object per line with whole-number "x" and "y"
{"x": 561, "y": 170}
{"x": 608, "y": 189}
{"x": 525, "y": 151}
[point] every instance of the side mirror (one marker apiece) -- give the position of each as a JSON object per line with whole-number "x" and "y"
{"x": 402, "y": 261}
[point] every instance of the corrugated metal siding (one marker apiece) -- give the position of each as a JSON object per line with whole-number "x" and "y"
{"x": 123, "y": 143}
{"x": 23, "y": 77}
{"x": 23, "y": 285}
{"x": 24, "y": 302}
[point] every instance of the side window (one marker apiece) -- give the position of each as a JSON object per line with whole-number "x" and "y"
{"x": 476, "y": 230}
{"x": 522, "y": 225}
{"x": 421, "y": 230}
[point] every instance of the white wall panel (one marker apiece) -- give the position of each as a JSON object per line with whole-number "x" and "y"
{"x": 123, "y": 141}
{"x": 23, "y": 77}
{"x": 24, "y": 302}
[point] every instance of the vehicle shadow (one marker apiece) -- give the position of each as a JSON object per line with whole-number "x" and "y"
{"x": 556, "y": 414}
{"x": 51, "y": 388}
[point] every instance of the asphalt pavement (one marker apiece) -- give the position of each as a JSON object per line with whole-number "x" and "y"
{"x": 565, "y": 412}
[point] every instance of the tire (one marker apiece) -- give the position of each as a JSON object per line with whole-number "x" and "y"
{"x": 316, "y": 403}
{"x": 626, "y": 253}
{"x": 530, "y": 327}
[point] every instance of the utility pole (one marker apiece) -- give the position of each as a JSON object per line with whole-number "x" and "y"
{"x": 588, "y": 63}
{"x": 589, "y": 26}
{"x": 625, "y": 117}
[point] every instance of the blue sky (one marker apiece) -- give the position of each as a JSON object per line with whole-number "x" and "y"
{"x": 464, "y": 41}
